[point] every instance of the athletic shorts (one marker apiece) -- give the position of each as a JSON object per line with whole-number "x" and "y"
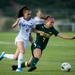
{"x": 17, "y": 39}
{"x": 34, "y": 46}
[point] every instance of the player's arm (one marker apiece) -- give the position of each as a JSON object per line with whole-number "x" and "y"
{"x": 38, "y": 31}
{"x": 30, "y": 38}
{"x": 65, "y": 37}
{"x": 16, "y": 23}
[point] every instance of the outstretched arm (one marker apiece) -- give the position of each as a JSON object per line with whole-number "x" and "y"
{"x": 38, "y": 31}
{"x": 66, "y": 37}
{"x": 16, "y": 23}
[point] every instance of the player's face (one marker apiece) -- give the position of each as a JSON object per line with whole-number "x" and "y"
{"x": 27, "y": 14}
{"x": 39, "y": 14}
{"x": 49, "y": 23}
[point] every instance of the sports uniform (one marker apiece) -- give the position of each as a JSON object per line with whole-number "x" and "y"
{"x": 38, "y": 20}
{"x": 25, "y": 27}
{"x": 41, "y": 41}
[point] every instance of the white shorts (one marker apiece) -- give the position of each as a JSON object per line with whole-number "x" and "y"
{"x": 17, "y": 39}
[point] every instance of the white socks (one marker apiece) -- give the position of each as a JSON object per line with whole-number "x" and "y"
{"x": 20, "y": 58}
{"x": 9, "y": 56}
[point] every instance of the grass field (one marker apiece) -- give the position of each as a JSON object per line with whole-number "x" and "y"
{"x": 56, "y": 52}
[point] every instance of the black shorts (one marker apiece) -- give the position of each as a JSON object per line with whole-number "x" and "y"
{"x": 34, "y": 46}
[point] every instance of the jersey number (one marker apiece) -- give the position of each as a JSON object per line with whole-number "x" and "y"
{"x": 27, "y": 30}
{"x": 44, "y": 39}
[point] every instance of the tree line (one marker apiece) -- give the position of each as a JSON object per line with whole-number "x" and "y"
{"x": 63, "y": 4}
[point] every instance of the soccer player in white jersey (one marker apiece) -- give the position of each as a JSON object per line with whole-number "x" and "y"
{"x": 38, "y": 18}
{"x": 25, "y": 23}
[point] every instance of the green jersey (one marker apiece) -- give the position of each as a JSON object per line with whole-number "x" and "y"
{"x": 41, "y": 41}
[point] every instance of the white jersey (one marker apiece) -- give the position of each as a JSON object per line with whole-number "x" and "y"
{"x": 25, "y": 27}
{"x": 38, "y": 20}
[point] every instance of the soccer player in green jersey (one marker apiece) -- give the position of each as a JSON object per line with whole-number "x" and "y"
{"x": 41, "y": 42}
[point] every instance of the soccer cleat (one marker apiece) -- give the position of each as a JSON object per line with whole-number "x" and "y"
{"x": 2, "y": 55}
{"x": 14, "y": 67}
{"x": 32, "y": 68}
{"x": 19, "y": 69}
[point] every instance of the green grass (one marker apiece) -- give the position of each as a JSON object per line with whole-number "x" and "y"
{"x": 57, "y": 51}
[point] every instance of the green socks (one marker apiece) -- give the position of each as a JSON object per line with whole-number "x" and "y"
{"x": 34, "y": 62}
{"x": 24, "y": 64}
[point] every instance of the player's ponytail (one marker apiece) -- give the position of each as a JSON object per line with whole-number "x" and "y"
{"x": 20, "y": 12}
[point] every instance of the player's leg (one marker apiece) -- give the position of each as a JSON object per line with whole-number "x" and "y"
{"x": 14, "y": 67}
{"x": 24, "y": 64}
{"x": 20, "y": 46}
{"x": 16, "y": 54}
{"x": 37, "y": 55}
{"x": 10, "y": 56}
{"x": 27, "y": 64}
{"x": 30, "y": 60}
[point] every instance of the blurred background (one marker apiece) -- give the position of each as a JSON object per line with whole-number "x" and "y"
{"x": 62, "y": 10}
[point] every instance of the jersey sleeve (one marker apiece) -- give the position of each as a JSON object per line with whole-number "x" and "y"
{"x": 55, "y": 32}
{"x": 34, "y": 25}
{"x": 20, "y": 21}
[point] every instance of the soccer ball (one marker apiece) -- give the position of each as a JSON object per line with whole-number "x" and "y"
{"x": 66, "y": 67}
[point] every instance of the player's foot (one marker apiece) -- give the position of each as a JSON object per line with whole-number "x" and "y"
{"x": 19, "y": 69}
{"x": 14, "y": 67}
{"x": 2, "y": 55}
{"x": 32, "y": 68}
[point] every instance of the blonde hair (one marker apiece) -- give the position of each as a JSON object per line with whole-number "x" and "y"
{"x": 39, "y": 13}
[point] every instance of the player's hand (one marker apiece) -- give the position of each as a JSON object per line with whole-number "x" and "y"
{"x": 42, "y": 33}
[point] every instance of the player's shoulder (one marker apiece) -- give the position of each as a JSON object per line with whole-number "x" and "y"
{"x": 35, "y": 17}
{"x": 31, "y": 19}
{"x": 21, "y": 18}
{"x": 40, "y": 25}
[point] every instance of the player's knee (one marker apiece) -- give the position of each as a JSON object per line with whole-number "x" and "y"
{"x": 15, "y": 58}
{"x": 37, "y": 57}
{"x": 22, "y": 51}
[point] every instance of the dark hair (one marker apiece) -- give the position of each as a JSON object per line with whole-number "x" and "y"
{"x": 46, "y": 17}
{"x": 20, "y": 12}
